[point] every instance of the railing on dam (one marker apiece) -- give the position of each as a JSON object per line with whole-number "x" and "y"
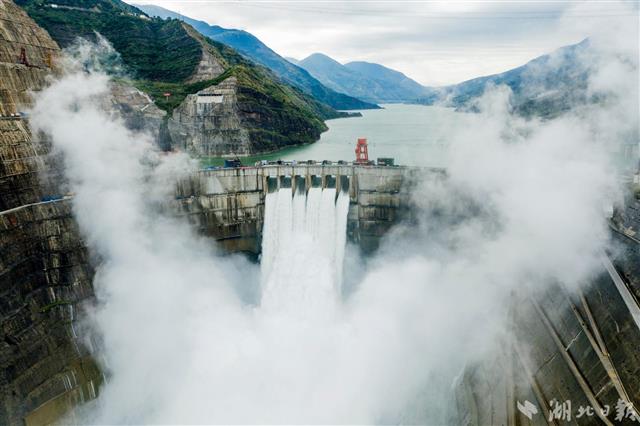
{"x": 302, "y": 183}
{"x": 345, "y": 177}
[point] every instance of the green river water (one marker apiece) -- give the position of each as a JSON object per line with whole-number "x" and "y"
{"x": 413, "y": 135}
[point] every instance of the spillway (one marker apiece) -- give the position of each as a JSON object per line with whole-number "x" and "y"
{"x": 303, "y": 248}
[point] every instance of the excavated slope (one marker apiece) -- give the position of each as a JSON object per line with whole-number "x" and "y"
{"x": 44, "y": 267}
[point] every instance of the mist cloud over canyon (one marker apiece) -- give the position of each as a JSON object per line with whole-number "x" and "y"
{"x": 522, "y": 208}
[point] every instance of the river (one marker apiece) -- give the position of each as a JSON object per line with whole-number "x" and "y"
{"x": 413, "y": 135}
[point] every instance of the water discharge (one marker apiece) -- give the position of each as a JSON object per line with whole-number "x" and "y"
{"x": 303, "y": 249}
{"x": 178, "y": 346}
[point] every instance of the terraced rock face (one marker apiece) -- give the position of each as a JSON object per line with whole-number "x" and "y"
{"x": 137, "y": 109}
{"x": 208, "y": 123}
{"x": 578, "y": 346}
{"x": 44, "y": 267}
{"x": 45, "y": 276}
{"x": 26, "y": 55}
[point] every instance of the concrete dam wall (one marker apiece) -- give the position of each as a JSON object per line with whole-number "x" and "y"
{"x": 228, "y": 204}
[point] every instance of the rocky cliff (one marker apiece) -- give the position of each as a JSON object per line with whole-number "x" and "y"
{"x": 243, "y": 111}
{"x": 44, "y": 269}
{"x": 137, "y": 109}
{"x": 208, "y": 123}
{"x": 46, "y": 274}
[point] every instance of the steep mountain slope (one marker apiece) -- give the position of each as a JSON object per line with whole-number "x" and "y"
{"x": 45, "y": 271}
{"x": 152, "y": 50}
{"x": 171, "y": 57}
{"x": 368, "y": 81}
{"x": 243, "y": 103}
{"x": 544, "y": 86}
{"x": 254, "y": 49}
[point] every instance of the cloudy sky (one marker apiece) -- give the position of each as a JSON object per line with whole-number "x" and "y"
{"x": 432, "y": 42}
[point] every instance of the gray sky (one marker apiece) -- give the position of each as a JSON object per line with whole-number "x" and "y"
{"x": 433, "y": 42}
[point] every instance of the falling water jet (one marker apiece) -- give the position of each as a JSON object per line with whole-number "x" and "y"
{"x": 303, "y": 235}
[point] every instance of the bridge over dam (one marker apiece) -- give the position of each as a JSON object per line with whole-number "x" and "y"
{"x": 228, "y": 204}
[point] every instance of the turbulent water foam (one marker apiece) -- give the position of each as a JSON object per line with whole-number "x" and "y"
{"x": 303, "y": 248}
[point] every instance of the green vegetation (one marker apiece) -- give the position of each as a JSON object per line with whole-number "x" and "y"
{"x": 178, "y": 91}
{"x": 152, "y": 49}
{"x": 277, "y": 115}
{"x": 264, "y": 81}
{"x": 50, "y": 306}
{"x": 162, "y": 55}
{"x": 113, "y": 6}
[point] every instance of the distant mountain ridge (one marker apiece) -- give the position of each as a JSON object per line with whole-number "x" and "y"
{"x": 405, "y": 85}
{"x": 364, "y": 80}
{"x": 545, "y": 86}
{"x": 254, "y": 49}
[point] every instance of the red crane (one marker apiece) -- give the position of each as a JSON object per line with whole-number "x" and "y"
{"x": 362, "y": 154}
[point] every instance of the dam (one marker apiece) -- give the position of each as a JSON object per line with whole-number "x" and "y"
{"x": 229, "y": 204}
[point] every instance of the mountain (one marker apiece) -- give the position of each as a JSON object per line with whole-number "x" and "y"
{"x": 330, "y": 72}
{"x": 251, "y": 47}
{"x": 364, "y": 80}
{"x": 400, "y": 84}
{"x": 545, "y": 86}
{"x": 254, "y": 112}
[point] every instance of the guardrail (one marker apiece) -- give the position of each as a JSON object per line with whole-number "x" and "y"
{"x": 24, "y": 206}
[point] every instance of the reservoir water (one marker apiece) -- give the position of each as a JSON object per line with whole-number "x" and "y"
{"x": 413, "y": 135}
